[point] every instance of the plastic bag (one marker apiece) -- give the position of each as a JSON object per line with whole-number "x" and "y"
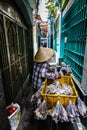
{"x": 82, "y": 108}
{"x": 72, "y": 111}
{"x": 36, "y": 95}
{"x": 59, "y": 113}
{"x": 41, "y": 111}
{"x": 36, "y": 99}
{"x": 14, "y": 114}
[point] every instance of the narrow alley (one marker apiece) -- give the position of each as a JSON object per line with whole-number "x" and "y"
{"x": 44, "y": 39}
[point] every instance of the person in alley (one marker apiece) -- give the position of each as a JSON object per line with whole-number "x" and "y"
{"x": 42, "y": 69}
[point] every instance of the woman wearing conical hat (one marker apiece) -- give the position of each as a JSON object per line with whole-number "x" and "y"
{"x": 41, "y": 67}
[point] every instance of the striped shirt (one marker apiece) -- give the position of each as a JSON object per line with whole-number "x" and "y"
{"x": 40, "y": 72}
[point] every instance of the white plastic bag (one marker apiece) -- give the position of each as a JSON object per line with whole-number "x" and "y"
{"x": 14, "y": 118}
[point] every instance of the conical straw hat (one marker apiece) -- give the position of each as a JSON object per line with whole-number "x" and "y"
{"x": 43, "y": 54}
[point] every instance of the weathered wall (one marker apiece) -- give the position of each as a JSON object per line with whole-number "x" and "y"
{"x": 4, "y": 122}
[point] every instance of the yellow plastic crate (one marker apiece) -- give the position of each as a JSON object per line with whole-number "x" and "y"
{"x": 51, "y": 99}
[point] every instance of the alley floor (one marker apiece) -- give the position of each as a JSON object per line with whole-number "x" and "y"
{"x": 28, "y": 122}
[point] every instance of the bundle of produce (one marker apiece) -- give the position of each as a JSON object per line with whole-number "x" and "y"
{"x": 67, "y": 89}
{"x": 41, "y": 111}
{"x": 36, "y": 99}
{"x": 57, "y": 88}
{"x": 59, "y": 113}
{"x": 72, "y": 111}
{"x": 82, "y": 108}
{"x": 36, "y": 95}
{"x": 53, "y": 88}
{"x": 66, "y": 70}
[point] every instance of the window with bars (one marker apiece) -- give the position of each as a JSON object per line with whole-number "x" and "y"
{"x": 13, "y": 57}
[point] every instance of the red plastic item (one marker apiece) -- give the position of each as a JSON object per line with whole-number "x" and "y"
{"x": 11, "y": 110}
